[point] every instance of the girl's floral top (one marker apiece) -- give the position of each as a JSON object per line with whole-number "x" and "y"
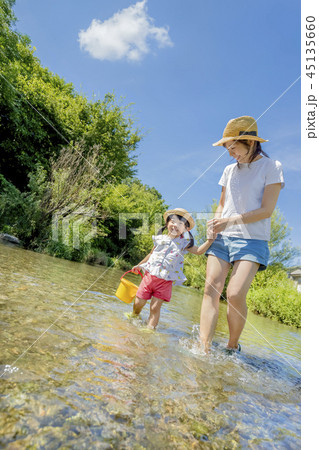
{"x": 167, "y": 258}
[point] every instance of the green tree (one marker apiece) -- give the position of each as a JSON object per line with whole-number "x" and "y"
{"x": 21, "y": 213}
{"x": 40, "y": 113}
{"x": 281, "y": 249}
{"x": 8, "y": 39}
{"x": 120, "y": 203}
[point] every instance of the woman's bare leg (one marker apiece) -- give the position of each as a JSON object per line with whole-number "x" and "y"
{"x": 216, "y": 273}
{"x": 241, "y": 278}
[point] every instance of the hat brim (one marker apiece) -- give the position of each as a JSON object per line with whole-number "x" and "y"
{"x": 239, "y": 138}
{"x": 180, "y": 212}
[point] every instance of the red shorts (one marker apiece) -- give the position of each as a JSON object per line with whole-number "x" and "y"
{"x": 152, "y": 286}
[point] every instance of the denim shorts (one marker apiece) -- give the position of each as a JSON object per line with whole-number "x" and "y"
{"x": 233, "y": 249}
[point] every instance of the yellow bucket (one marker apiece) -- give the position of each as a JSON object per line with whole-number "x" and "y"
{"x": 126, "y": 290}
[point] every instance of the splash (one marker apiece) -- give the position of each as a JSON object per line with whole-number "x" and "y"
{"x": 193, "y": 343}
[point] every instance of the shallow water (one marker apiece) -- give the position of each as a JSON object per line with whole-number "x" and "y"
{"x": 76, "y": 373}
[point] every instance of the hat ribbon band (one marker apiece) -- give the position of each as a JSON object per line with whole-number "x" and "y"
{"x": 250, "y": 133}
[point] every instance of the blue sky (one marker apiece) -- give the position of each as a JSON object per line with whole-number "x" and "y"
{"x": 187, "y": 67}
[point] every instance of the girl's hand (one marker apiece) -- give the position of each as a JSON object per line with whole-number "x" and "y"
{"x": 136, "y": 269}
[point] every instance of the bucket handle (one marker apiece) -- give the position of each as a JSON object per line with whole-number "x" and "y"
{"x": 132, "y": 272}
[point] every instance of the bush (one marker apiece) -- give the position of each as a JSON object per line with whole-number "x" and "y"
{"x": 21, "y": 213}
{"x": 67, "y": 251}
{"x": 272, "y": 294}
{"x": 120, "y": 263}
{"x": 141, "y": 246}
{"x": 282, "y": 303}
{"x": 195, "y": 271}
{"x": 97, "y": 257}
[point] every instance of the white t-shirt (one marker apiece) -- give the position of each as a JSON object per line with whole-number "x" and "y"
{"x": 244, "y": 191}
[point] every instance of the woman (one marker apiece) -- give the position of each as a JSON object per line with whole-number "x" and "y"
{"x": 250, "y": 190}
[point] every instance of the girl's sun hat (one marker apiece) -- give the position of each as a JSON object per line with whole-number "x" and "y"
{"x": 180, "y": 212}
{"x": 244, "y": 127}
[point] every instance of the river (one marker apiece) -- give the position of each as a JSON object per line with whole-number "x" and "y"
{"x": 76, "y": 373}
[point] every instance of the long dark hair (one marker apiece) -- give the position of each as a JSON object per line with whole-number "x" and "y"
{"x": 257, "y": 150}
{"x": 186, "y": 223}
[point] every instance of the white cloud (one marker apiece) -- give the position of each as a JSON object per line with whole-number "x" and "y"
{"x": 124, "y": 35}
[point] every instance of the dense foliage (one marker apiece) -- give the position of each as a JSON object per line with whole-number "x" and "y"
{"x": 67, "y": 164}
{"x": 273, "y": 295}
{"x": 40, "y": 113}
{"x": 71, "y": 215}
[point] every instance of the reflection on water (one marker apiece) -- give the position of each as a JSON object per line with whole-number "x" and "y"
{"x": 93, "y": 379}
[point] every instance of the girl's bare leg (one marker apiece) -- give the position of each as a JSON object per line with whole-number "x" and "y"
{"x": 241, "y": 278}
{"x": 139, "y": 304}
{"x": 216, "y": 273}
{"x": 155, "y": 311}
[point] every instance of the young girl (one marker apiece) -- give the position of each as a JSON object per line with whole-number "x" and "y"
{"x": 163, "y": 266}
{"x": 250, "y": 189}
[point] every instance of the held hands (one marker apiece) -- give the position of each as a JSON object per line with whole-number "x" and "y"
{"x": 217, "y": 225}
{"x": 211, "y": 234}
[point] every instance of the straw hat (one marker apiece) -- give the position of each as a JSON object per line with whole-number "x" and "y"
{"x": 244, "y": 127}
{"x": 180, "y": 212}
